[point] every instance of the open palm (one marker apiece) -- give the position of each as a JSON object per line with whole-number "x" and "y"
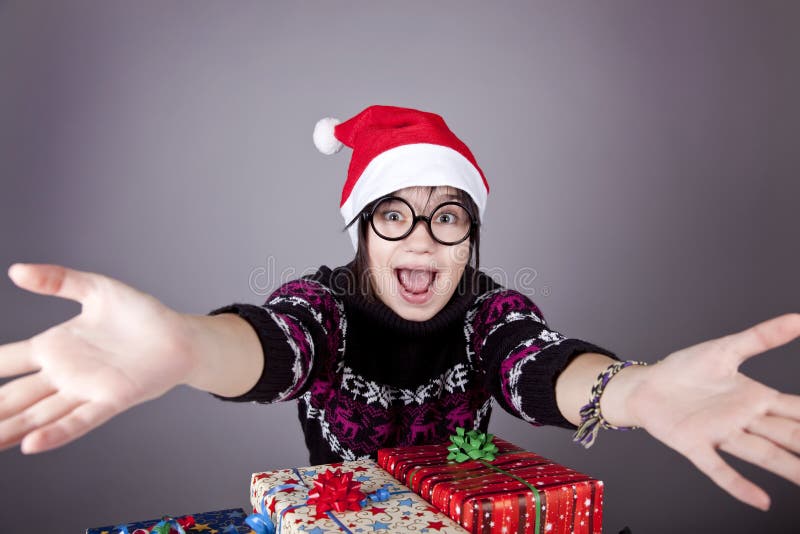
{"x": 696, "y": 401}
{"x": 124, "y": 348}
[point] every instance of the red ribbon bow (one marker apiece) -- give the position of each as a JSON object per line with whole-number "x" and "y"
{"x": 335, "y": 491}
{"x": 186, "y": 521}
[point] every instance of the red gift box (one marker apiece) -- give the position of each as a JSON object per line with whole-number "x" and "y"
{"x": 518, "y": 491}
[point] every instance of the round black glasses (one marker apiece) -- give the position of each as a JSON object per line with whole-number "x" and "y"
{"x": 393, "y": 219}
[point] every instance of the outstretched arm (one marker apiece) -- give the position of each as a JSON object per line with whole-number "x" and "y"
{"x": 696, "y": 401}
{"x": 124, "y": 348}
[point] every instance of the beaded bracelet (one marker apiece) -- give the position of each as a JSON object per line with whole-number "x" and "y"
{"x": 591, "y": 418}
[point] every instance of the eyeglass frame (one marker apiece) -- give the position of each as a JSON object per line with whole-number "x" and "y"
{"x": 367, "y": 216}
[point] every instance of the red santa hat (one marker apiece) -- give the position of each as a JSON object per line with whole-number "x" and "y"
{"x": 394, "y": 148}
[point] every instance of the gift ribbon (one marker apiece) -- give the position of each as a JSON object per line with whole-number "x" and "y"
{"x": 473, "y": 445}
{"x": 478, "y": 446}
{"x": 382, "y": 494}
{"x": 336, "y": 491}
{"x": 164, "y": 526}
{"x": 262, "y": 523}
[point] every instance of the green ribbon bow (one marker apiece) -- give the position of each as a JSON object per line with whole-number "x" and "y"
{"x": 472, "y": 445}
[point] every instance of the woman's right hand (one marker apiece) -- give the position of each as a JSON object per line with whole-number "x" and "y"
{"x": 124, "y": 348}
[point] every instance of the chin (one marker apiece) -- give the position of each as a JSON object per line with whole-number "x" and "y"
{"x": 418, "y": 315}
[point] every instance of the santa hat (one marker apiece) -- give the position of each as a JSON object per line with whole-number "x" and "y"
{"x": 394, "y": 148}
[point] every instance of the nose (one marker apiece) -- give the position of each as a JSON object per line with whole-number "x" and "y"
{"x": 420, "y": 239}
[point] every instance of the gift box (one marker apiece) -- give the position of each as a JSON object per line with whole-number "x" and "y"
{"x": 508, "y": 490}
{"x": 230, "y": 521}
{"x": 290, "y": 501}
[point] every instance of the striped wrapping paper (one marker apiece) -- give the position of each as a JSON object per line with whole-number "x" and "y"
{"x": 518, "y": 492}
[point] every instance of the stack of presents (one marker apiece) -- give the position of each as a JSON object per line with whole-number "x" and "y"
{"x": 473, "y": 483}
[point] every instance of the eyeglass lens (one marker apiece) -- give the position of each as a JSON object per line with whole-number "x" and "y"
{"x": 392, "y": 218}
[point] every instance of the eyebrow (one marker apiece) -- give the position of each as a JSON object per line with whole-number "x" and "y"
{"x": 436, "y": 199}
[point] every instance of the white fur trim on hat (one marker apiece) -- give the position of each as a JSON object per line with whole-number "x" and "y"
{"x": 419, "y": 164}
{"x": 324, "y": 139}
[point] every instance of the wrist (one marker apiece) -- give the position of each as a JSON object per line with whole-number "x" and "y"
{"x": 616, "y": 403}
{"x": 592, "y": 417}
{"x": 226, "y": 354}
{"x": 200, "y": 346}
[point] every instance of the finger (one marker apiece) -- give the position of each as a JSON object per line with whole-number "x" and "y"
{"x": 40, "y": 414}
{"x": 53, "y": 280}
{"x": 786, "y": 405}
{"x": 72, "y": 426}
{"x": 763, "y": 453}
{"x": 15, "y": 359}
{"x": 784, "y": 432}
{"x": 22, "y": 393}
{"x": 709, "y": 462}
{"x": 763, "y": 336}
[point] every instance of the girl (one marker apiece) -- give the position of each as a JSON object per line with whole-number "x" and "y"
{"x": 399, "y": 347}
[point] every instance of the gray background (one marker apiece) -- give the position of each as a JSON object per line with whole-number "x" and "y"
{"x": 642, "y": 156}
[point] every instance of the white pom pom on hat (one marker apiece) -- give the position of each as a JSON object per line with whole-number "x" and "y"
{"x": 324, "y": 139}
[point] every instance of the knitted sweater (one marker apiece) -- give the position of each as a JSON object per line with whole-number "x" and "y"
{"x": 365, "y": 378}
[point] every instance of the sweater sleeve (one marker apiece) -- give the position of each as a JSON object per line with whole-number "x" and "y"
{"x": 300, "y": 330}
{"x": 521, "y": 356}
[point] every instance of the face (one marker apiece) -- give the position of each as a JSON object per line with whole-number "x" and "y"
{"x": 416, "y": 276}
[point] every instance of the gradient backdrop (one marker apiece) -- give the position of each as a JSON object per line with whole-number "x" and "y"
{"x": 644, "y": 165}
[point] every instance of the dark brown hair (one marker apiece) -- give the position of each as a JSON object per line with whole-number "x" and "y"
{"x": 360, "y": 264}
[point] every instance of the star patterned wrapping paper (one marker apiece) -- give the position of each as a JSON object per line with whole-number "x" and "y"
{"x": 403, "y": 512}
{"x": 217, "y": 522}
{"x": 518, "y": 491}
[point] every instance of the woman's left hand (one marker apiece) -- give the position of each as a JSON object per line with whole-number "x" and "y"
{"x": 696, "y": 401}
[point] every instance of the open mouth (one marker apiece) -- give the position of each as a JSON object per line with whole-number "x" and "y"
{"x": 415, "y": 283}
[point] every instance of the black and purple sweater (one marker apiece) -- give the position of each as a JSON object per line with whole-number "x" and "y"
{"x": 365, "y": 378}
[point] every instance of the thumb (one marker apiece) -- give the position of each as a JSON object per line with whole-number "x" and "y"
{"x": 55, "y": 280}
{"x": 762, "y": 337}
